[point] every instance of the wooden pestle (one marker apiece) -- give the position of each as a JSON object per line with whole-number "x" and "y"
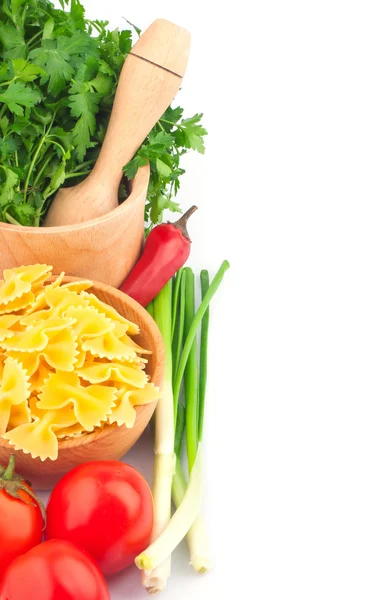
{"x": 149, "y": 80}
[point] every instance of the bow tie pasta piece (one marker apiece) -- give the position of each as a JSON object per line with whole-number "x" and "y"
{"x": 92, "y": 404}
{"x": 34, "y": 339}
{"x": 30, "y": 274}
{"x": 81, "y": 358}
{"x": 138, "y": 349}
{"x": 6, "y": 322}
{"x": 89, "y": 322}
{"x": 62, "y": 297}
{"x": 39, "y": 438}
{"x": 14, "y": 389}
{"x": 72, "y": 431}
{"x": 78, "y": 286}
{"x": 123, "y": 413}
{"x": 110, "y": 312}
{"x": 40, "y": 376}
{"x": 109, "y": 346}
{"x": 58, "y": 281}
{"x": 40, "y": 301}
{"x": 100, "y": 372}
{"x": 13, "y": 289}
{"x": 28, "y": 360}
{"x": 17, "y": 304}
{"x": 61, "y": 351}
{"x": 56, "y": 302}
{"x": 120, "y": 329}
{"x": 19, "y": 415}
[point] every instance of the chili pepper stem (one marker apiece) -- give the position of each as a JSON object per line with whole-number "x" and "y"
{"x": 182, "y": 222}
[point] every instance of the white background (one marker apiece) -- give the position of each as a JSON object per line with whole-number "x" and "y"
{"x": 282, "y": 192}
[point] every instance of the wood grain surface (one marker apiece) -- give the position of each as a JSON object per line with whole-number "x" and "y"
{"x": 112, "y": 441}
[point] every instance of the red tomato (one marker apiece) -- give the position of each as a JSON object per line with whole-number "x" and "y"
{"x": 21, "y": 521}
{"x": 106, "y": 508}
{"x": 55, "y": 570}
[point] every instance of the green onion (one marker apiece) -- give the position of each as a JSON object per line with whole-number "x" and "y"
{"x": 195, "y": 324}
{"x": 180, "y": 523}
{"x": 187, "y": 496}
{"x": 191, "y": 374}
{"x": 179, "y": 430}
{"x": 175, "y": 303}
{"x": 196, "y": 537}
{"x": 205, "y": 284}
{"x": 179, "y": 333}
{"x": 164, "y": 463}
{"x": 150, "y": 309}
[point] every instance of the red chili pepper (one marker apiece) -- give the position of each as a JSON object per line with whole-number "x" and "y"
{"x": 166, "y": 250}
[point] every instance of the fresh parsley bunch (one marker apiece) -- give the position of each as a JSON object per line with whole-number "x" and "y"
{"x": 58, "y": 76}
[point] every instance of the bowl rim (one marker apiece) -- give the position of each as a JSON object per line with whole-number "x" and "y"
{"x": 157, "y": 376}
{"x": 139, "y": 183}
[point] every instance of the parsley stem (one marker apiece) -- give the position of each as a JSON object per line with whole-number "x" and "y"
{"x": 161, "y": 127}
{"x": 50, "y": 141}
{"x": 84, "y": 164}
{"x": 95, "y": 25}
{"x": 8, "y": 82}
{"x": 33, "y": 38}
{"x": 79, "y": 174}
{"x": 31, "y": 166}
{"x": 172, "y": 124}
{"x": 40, "y": 172}
{"x": 11, "y": 219}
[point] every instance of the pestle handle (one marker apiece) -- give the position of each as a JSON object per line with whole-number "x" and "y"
{"x": 150, "y": 78}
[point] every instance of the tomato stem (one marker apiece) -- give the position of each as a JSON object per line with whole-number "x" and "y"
{"x": 9, "y": 471}
{"x": 12, "y": 484}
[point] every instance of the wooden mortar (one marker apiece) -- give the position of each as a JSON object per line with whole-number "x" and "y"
{"x": 104, "y": 249}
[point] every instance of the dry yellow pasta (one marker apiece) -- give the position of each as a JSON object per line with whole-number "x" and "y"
{"x": 68, "y": 365}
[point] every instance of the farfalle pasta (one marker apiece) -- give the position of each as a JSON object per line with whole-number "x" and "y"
{"x": 68, "y": 365}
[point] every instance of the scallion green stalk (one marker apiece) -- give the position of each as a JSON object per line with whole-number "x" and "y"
{"x": 191, "y": 373}
{"x": 194, "y": 326}
{"x": 177, "y": 343}
{"x": 205, "y": 284}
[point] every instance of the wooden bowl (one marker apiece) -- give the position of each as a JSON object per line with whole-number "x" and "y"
{"x": 113, "y": 441}
{"x": 104, "y": 249}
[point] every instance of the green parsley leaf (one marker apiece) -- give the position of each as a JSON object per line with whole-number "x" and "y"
{"x": 18, "y": 95}
{"x": 12, "y": 41}
{"x": 55, "y": 64}
{"x": 26, "y": 71}
{"x": 84, "y": 106}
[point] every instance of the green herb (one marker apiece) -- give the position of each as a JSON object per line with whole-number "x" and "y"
{"x": 58, "y": 76}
